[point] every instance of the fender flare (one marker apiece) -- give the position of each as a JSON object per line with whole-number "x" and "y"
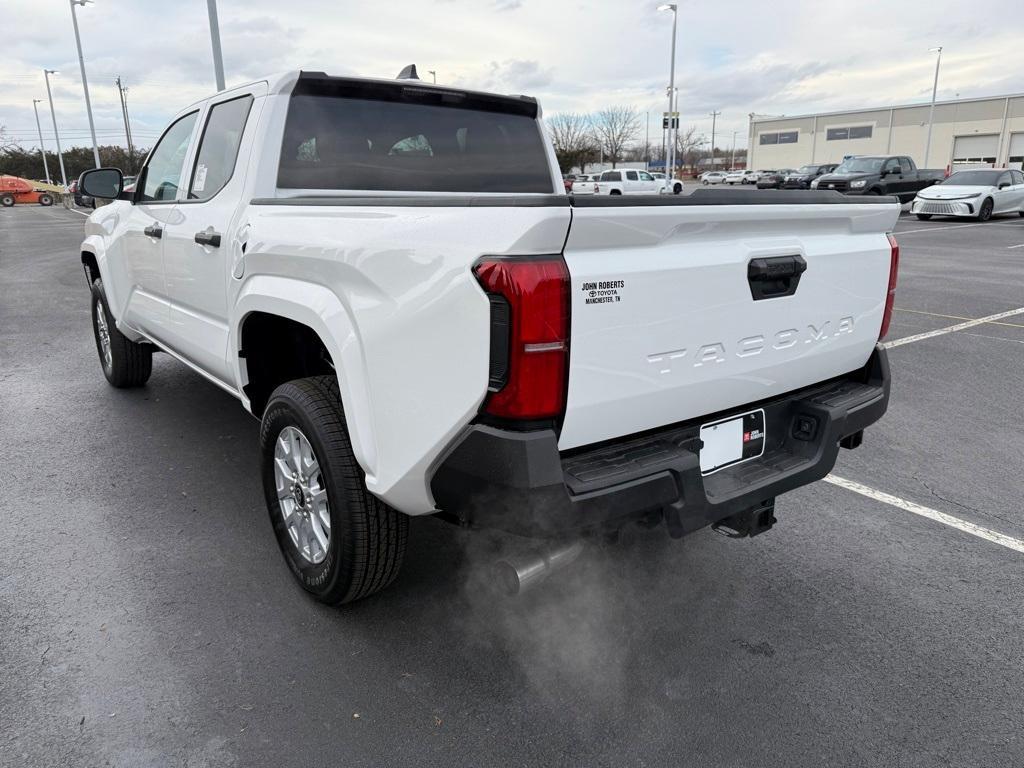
{"x": 320, "y": 309}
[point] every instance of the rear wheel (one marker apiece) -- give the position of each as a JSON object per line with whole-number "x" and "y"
{"x": 6, "y": 200}
{"x": 678, "y": 190}
{"x": 340, "y": 541}
{"x": 615, "y": 192}
{"x": 924, "y": 216}
{"x": 985, "y": 212}
{"x": 125, "y": 363}
{"x": 45, "y": 199}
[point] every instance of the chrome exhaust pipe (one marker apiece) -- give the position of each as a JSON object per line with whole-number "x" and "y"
{"x": 518, "y": 573}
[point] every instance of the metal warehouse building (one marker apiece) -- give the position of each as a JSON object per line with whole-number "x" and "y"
{"x": 966, "y": 133}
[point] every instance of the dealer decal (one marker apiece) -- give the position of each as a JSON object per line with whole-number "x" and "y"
{"x": 603, "y": 291}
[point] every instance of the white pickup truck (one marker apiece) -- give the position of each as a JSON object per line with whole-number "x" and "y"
{"x": 389, "y": 275}
{"x": 628, "y": 181}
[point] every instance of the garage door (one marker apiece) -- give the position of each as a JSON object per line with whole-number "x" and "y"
{"x": 1017, "y": 151}
{"x": 975, "y": 151}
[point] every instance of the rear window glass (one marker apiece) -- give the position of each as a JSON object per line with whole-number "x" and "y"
{"x": 400, "y": 144}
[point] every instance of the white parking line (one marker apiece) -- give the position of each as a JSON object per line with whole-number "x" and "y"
{"x": 958, "y": 226}
{"x": 932, "y": 514}
{"x": 1016, "y": 246}
{"x": 952, "y": 328}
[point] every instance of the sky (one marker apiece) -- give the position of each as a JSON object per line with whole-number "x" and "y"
{"x": 733, "y": 56}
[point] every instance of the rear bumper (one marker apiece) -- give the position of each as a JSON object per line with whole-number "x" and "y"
{"x": 519, "y": 482}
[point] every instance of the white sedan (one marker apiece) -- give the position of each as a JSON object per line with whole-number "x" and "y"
{"x": 712, "y": 177}
{"x": 979, "y": 193}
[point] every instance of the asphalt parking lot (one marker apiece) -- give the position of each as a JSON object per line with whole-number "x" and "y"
{"x": 147, "y": 618}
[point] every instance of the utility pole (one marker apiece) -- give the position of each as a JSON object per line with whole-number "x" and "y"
{"x": 714, "y": 118}
{"x": 931, "y": 112}
{"x": 42, "y": 149}
{"x": 433, "y": 74}
{"x": 732, "y": 161}
{"x": 671, "y": 161}
{"x": 53, "y": 114}
{"x": 647, "y": 139}
{"x": 121, "y": 91}
{"x": 218, "y": 61}
{"x": 85, "y": 82}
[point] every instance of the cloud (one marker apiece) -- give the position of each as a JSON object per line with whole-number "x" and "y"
{"x": 794, "y": 57}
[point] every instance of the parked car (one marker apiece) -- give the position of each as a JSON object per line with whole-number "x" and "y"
{"x": 585, "y": 184}
{"x": 895, "y": 175}
{"x": 628, "y": 181}
{"x": 676, "y": 187}
{"x": 14, "y": 190}
{"x": 736, "y": 177}
{"x": 803, "y": 176}
{"x": 712, "y": 177}
{"x": 567, "y": 181}
{"x": 341, "y": 296}
{"x": 773, "y": 179}
{"x": 978, "y": 193}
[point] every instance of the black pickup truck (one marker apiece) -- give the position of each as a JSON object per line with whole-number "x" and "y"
{"x": 895, "y": 175}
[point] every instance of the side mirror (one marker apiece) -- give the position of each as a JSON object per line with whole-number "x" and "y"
{"x": 102, "y": 182}
{"x": 1004, "y": 185}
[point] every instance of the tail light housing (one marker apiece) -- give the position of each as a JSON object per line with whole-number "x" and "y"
{"x": 529, "y": 335}
{"x": 890, "y": 296}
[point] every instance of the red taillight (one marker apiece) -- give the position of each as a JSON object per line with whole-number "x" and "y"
{"x": 537, "y": 293}
{"x": 890, "y": 297}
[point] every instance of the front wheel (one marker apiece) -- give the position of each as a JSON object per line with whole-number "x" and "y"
{"x": 705, "y": 182}
{"x": 125, "y": 363}
{"x": 340, "y": 541}
{"x": 924, "y": 216}
{"x": 615, "y": 192}
{"x": 985, "y": 213}
{"x": 45, "y": 199}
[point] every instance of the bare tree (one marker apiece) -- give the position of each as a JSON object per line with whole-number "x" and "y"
{"x": 615, "y": 127}
{"x": 573, "y": 138}
{"x": 686, "y": 145}
{"x": 6, "y": 142}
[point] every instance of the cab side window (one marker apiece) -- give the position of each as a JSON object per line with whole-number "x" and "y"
{"x": 218, "y": 147}
{"x": 631, "y": 176}
{"x": 646, "y": 176}
{"x": 1018, "y": 177}
{"x": 167, "y": 160}
{"x": 905, "y": 164}
{"x": 1004, "y": 179}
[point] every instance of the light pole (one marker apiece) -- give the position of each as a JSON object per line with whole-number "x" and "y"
{"x": 218, "y": 61}
{"x": 714, "y": 119}
{"x": 42, "y": 149}
{"x": 433, "y": 74}
{"x": 647, "y": 140}
{"x": 931, "y": 112}
{"x": 85, "y": 83}
{"x": 732, "y": 160}
{"x": 671, "y": 161}
{"x": 53, "y": 114}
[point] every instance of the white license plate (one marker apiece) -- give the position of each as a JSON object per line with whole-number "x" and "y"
{"x": 731, "y": 440}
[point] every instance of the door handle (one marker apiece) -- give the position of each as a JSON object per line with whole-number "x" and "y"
{"x": 775, "y": 276}
{"x": 153, "y": 230}
{"x": 211, "y": 239}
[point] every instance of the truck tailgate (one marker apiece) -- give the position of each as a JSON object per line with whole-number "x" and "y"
{"x": 665, "y": 326}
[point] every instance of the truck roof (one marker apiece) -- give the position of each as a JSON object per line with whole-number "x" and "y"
{"x": 285, "y": 83}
